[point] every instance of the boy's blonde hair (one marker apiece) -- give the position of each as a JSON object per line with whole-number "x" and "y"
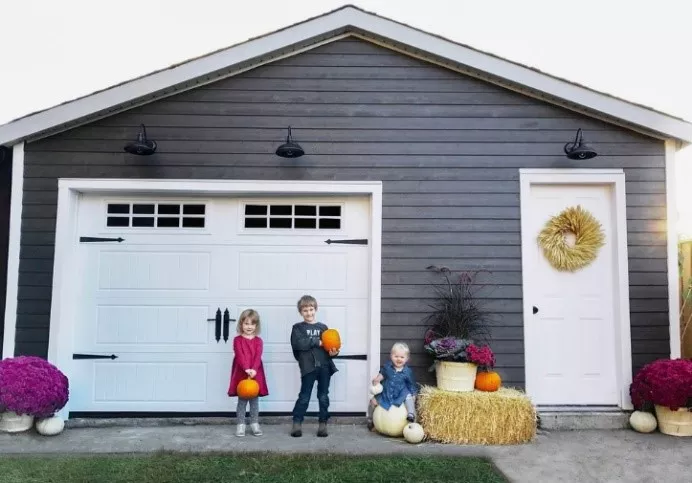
{"x": 307, "y": 301}
{"x": 254, "y": 318}
{"x": 401, "y": 346}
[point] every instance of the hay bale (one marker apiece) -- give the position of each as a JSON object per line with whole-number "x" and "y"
{"x": 506, "y": 416}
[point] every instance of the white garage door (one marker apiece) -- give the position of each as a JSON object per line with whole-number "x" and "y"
{"x": 156, "y": 317}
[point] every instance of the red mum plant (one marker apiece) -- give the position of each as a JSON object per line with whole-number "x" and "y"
{"x": 482, "y": 356}
{"x": 31, "y": 385}
{"x": 664, "y": 382}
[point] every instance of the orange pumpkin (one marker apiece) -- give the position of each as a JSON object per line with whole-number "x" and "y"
{"x": 331, "y": 340}
{"x": 248, "y": 389}
{"x": 488, "y": 381}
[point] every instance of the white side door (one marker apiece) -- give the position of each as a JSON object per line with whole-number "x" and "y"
{"x": 570, "y": 338}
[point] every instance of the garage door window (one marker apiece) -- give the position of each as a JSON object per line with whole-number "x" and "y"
{"x": 155, "y": 215}
{"x": 290, "y": 216}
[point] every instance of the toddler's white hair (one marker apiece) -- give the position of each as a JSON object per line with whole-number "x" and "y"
{"x": 401, "y": 346}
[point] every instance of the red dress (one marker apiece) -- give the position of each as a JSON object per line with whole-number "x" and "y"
{"x": 248, "y": 355}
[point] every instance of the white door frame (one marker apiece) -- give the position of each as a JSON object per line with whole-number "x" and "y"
{"x": 63, "y": 307}
{"x": 609, "y": 177}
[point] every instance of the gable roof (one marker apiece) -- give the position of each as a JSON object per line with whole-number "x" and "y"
{"x": 340, "y": 23}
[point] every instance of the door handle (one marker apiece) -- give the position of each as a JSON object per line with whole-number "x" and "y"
{"x": 535, "y": 310}
{"x": 226, "y": 324}
{"x": 217, "y": 327}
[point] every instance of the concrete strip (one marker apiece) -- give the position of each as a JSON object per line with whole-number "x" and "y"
{"x": 562, "y": 456}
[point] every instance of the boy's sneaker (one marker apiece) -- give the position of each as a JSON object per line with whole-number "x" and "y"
{"x": 240, "y": 430}
{"x": 255, "y": 428}
{"x": 297, "y": 430}
{"x": 411, "y": 417}
{"x": 322, "y": 430}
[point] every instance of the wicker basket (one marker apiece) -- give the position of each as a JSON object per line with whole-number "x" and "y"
{"x": 675, "y": 423}
{"x": 455, "y": 376}
{"x": 14, "y": 423}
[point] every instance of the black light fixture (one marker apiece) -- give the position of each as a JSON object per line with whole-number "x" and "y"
{"x": 142, "y": 146}
{"x": 289, "y": 149}
{"x": 579, "y": 149}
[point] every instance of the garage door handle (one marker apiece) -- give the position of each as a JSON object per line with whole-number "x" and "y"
{"x": 226, "y": 324}
{"x": 217, "y": 327}
{"x": 354, "y": 357}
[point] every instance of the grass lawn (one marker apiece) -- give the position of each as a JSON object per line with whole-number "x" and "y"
{"x": 248, "y": 468}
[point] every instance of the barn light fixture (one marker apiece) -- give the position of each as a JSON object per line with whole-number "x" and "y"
{"x": 289, "y": 149}
{"x": 579, "y": 149}
{"x": 142, "y": 146}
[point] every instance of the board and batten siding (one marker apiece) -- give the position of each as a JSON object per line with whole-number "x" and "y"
{"x": 447, "y": 148}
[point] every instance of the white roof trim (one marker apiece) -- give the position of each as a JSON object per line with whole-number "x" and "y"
{"x": 346, "y": 18}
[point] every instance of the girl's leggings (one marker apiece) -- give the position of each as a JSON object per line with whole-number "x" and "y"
{"x": 254, "y": 410}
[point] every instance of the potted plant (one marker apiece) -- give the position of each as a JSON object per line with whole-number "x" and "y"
{"x": 455, "y": 324}
{"x": 30, "y": 387}
{"x": 665, "y": 385}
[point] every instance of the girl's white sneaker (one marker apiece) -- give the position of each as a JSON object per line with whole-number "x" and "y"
{"x": 255, "y": 428}
{"x": 240, "y": 430}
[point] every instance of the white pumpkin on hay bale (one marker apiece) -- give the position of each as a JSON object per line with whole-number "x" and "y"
{"x": 506, "y": 416}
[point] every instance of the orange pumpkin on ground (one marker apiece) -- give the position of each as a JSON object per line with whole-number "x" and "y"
{"x": 331, "y": 340}
{"x": 248, "y": 389}
{"x": 488, "y": 381}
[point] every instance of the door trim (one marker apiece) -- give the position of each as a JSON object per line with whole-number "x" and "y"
{"x": 65, "y": 301}
{"x": 616, "y": 179}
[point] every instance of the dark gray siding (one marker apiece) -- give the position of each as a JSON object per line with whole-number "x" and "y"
{"x": 447, "y": 147}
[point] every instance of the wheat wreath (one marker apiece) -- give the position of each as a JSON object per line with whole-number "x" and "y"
{"x": 587, "y": 231}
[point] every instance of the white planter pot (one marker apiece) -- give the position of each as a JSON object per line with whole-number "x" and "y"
{"x": 675, "y": 423}
{"x": 456, "y": 376}
{"x": 14, "y": 423}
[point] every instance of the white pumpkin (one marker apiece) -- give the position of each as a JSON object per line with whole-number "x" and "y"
{"x": 643, "y": 421}
{"x": 376, "y": 389}
{"x": 390, "y": 422}
{"x": 413, "y": 433}
{"x": 50, "y": 426}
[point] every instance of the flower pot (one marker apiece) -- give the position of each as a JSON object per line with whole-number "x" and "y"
{"x": 12, "y": 422}
{"x": 455, "y": 376}
{"x": 674, "y": 423}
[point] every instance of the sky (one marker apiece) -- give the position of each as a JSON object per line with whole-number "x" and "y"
{"x": 639, "y": 50}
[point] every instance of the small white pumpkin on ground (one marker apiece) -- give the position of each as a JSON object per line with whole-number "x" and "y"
{"x": 390, "y": 422}
{"x": 50, "y": 426}
{"x": 643, "y": 421}
{"x": 413, "y": 433}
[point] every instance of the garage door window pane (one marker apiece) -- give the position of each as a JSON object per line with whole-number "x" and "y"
{"x": 118, "y": 208}
{"x": 305, "y": 223}
{"x": 117, "y": 221}
{"x": 255, "y": 222}
{"x": 143, "y": 221}
{"x": 280, "y": 223}
{"x": 168, "y": 222}
{"x": 189, "y": 222}
{"x": 255, "y": 209}
{"x": 139, "y": 209}
{"x": 169, "y": 209}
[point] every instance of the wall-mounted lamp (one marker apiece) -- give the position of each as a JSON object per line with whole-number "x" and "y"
{"x": 142, "y": 146}
{"x": 579, "y": 149}
{"x": 289, "y": 149}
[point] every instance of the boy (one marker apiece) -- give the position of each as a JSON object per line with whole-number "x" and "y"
{"x": 315, "y": 364}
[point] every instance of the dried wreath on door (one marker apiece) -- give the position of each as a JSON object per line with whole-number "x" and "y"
{"x": 588, "y": 238}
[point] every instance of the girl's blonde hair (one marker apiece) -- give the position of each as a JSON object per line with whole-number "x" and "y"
{"x": 254, "y": 318}
{"x": 401, "y": 346}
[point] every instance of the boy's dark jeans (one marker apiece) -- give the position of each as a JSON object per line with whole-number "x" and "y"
{"x": 322, "y": 376}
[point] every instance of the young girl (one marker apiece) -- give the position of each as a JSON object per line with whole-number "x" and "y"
{"x": 398, "y": 384}
{"x": 247, "y": 362}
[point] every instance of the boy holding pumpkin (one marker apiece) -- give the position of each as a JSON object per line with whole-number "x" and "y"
{"x": 315, "y": 363}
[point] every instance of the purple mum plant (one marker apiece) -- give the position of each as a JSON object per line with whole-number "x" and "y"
{"x": 33, "y": 386}
{"x": 664, "y": 382}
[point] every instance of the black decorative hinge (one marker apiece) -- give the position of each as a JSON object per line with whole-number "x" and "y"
{"x": 94, "y": 239}
{"x": 355, "y": 241}
{"x": 226, "y": 324}
{"x": 217, "y": 325}
{"x": 355, "y": 357}
{"x": 94, "y": 356}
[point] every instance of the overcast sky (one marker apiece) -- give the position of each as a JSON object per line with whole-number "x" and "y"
{"x": 56, "y": 50}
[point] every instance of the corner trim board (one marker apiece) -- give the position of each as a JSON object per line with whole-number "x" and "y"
{"x": 16, "y": 200}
